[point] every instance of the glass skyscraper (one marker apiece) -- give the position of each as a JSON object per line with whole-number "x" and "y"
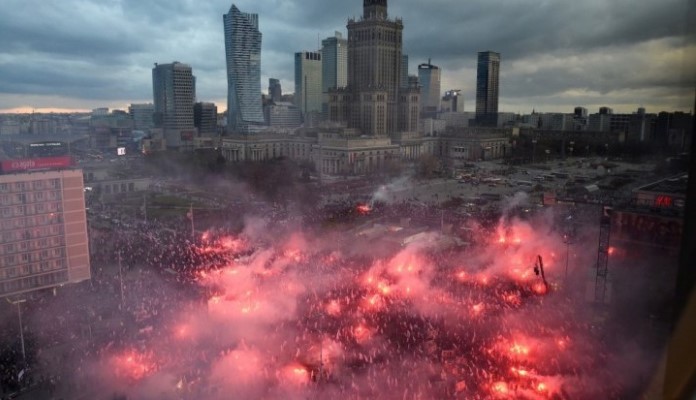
{"x": 429, "y": 78}
{"x": 487, "y": 88}
{"x": 308, "y": 93}
{"x": 243, "y": 55}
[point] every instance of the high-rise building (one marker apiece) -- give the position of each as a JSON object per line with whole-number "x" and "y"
{"x": 404, "y": 70}
{"x": 243, "y": 55}
{"x": 487, "y": 88}
{"x": 429, "y": 78}
{"x": 143, "y": 116}
{"x": 174, "y": 93}
{"x": 334, "y": 67}
{"x": 275, "y": 91}
{"x": 44, "y": 225}
{"x": 453, "y": 101}
{"x": 308, "y": 82}
{"x": 370, "y": 103}
{"x": 334, "y": 58}
{"x": 205, "y": 118}
{"x": 283, "y": 115}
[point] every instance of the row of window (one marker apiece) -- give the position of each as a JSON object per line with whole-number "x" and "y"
{"x": 30, "y": 209}
{"x": 33, "y": 282}
{"x": 29, "y": 222}
{"x": 42, "y": 256}
{"x": 33, "y": 185}
{"x": 25, "y": 235}
{"x": 119, "y": 188}
{"x": 32, "y": 245}
{"x": 29, "y": 197}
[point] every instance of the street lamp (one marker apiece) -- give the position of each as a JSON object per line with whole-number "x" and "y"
{"x": 120, "y": 276}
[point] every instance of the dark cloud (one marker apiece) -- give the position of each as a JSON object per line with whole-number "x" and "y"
{"x": 102, "y": 51}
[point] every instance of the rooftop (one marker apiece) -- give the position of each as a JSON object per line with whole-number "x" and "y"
{"x": 674, "y": 185}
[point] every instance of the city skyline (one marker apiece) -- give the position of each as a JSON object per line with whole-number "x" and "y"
{"x": 559, "y": 56}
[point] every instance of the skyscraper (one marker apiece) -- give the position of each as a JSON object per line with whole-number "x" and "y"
{"x": 453, "y": 101}
{"x": 334, "y": 69}
{"x": 487, "y": 88}
{"x": 243, "y": 55}
{"x": 375, "y": 63}
{"x": 429, "y": 78}
{"x": 334, "y": 58}
{"x": 205, "y": 118}
{"x": 308, "y": 82}
{"x": 174, "y": 93}
{"x": 275, "y": 91}
{"x": 404, "y": 70}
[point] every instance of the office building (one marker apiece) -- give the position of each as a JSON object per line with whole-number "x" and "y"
{"x": 370, "y": 103}
{"x": 404, "y": 70}
{"x": 334, "y": 69}
{"x": 205, "y": 119}
{"x": 174, "y": 93}
{"x": 143, "y": 116}
{"x": 243, "y": 56}
{"x": 275, "y": 91}
{"x": 308, "y": 82}
{"x": 487, "y": 88}
{"x": 334, "y": 58}
{"x": 44, "y": 225}
{"x": 282, "y": 115}
{"x": 452, "y": 102}
{"x": 429, "y": 79}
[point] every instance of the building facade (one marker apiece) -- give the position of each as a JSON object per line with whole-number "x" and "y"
{"x": 205, "y": 118}
{"x": 334, "y": 69}
{"x": 453, "y": 101}
{"x": 44, "y": 228}
{"x": 487, "y": 88}
{"x": 282, "y": 115}
{"x": 243, "y": 56}
{"x": 308, "y": 82}
{"x": 174, "y": 94}
{"x": 143, "y": 116}
{"x": 375, "y": 65}
{"x": 275, "y": 91}
{"x": 429, "y": 78}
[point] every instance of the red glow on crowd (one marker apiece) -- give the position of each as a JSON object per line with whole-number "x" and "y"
{"x": 363, "y": 209}
{"x": 133, "y": 365}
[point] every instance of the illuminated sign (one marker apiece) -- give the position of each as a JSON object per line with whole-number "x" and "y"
{"x": 32, "y": 164}
{"x": 46, "y": 144}
{"x": 663, "y": 201}
{"x": 121, "y": 151}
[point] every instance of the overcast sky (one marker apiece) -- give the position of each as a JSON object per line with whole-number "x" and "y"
{"x": 556, "y": 54}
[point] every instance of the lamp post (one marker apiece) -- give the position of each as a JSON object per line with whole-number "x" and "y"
{"x": 120, "y": 277}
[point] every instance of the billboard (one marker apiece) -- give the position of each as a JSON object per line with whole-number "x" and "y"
{"x": 121, "y": 151}
{"x": 32, "y": 164}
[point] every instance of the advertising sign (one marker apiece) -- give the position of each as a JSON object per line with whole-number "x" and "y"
{"x": 32, "y": 164}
